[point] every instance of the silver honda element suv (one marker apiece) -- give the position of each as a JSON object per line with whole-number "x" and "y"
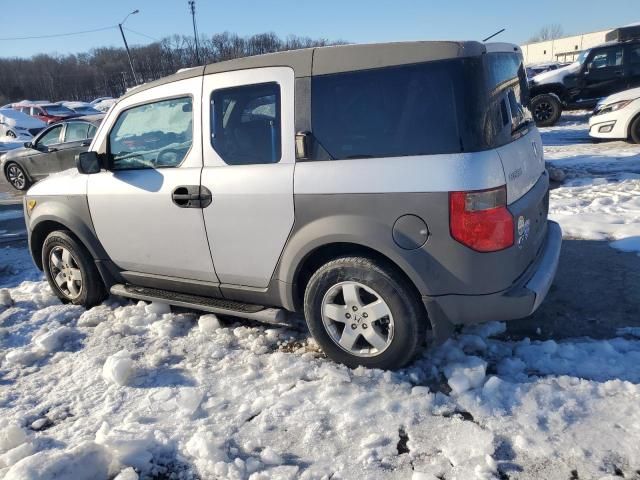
{"x": 380, "y": 190}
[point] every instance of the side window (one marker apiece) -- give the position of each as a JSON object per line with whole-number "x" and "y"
{"x": 606, "y": 57}
{"x": 51, "y": 137}
{"x": 76, "y": 131}
{"x": 246, "y": 124}
{"x": 92, "y": 131}
{"x": 154, "y": 135}
{"x": 35, "y": 111}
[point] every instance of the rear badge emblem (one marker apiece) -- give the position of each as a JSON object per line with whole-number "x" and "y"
{"x": 524, "y": 226}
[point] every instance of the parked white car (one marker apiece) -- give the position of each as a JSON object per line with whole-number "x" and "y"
{"x": 617, "y": 117}
{"x": 14, "y": 124}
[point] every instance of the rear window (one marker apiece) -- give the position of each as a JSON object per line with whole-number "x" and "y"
{"x": 57, "y": 110}
{"x": 408, "y": 110}
{"x": 448, "y": 106}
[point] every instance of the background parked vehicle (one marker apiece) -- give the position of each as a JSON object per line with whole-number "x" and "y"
{"x": 105, "y": 104}
{"x": 16, "y": 124}
{"x": 535, "y": 70}
{"x": 83, "y": 108}
{"x": 617, "y": 117}
{"x": 47, "y": 112}
{"x": 99, "y": 99}
{"x": 53, "y": 150}
{"x": 601, "y": 71}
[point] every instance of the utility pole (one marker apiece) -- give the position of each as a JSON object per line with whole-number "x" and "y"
{"x": 126, "y": 45}
{"x": 192, "y": 6}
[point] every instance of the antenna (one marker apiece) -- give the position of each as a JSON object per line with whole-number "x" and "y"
{"x": 495, "y": 34}
{"x": 192, "y": 7}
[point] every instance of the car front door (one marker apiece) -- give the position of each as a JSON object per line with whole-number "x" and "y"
{"x": 249, "y": 160}
{"x": 43, "y": 159}
{"x": 154, "y": 150}
{"x": 604, "y": 73}
{"x": 75, "y": 140}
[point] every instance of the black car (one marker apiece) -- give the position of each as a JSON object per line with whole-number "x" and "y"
{"x": 599, "y": 72}
{"x": 52, "y": 150}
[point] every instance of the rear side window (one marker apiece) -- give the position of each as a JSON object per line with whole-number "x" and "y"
{"x": 246, "y": 124}
{"x": 394, "y": 111}
{"x": 76, "y": 131}
{"x": 153, "y": 135}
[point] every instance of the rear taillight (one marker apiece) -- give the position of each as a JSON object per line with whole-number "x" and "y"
{"x": 480, "y": 220}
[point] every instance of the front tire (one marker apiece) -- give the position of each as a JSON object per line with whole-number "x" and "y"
{"x": 17, "y": 177}
{"x": 546, "y": 110}
{"x": 70, "y": 270}
{"x": 362, "y": 312}
{"x": 634, "y": 130}
{"x": 11, "y": 134}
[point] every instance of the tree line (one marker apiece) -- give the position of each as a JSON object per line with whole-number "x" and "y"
{"x": 106, "y": 71}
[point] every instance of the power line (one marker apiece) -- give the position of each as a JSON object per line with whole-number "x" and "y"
{"x": 58, "y": 34}
{"x": 141, "y": 34}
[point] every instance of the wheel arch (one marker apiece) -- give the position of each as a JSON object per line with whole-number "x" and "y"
{"x": 631, "y": 122}
{"x": 556, "y": 89}
{"x": 326, "y": 252}
{"x": 9, "y": 162}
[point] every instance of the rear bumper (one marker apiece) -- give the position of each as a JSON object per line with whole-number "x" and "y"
{"x": 518, "y": 301}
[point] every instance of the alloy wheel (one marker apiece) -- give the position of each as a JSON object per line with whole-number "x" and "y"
{"x": 65, "y": 272}
{"x": 543, "y": 111}
{"x": 16, "y": 176}
{"x": 357, "y": 319}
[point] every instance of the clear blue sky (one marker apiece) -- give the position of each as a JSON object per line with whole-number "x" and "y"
{"x": 351, "y": 20}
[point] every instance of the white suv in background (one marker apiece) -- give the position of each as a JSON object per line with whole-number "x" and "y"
{"x": 617, "y": 117}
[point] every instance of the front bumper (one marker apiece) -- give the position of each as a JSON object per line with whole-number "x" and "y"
{"x": 608, "y": 126}
{"x": 519, "y": 301}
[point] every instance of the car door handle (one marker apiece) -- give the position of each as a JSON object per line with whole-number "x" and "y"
{"x": 51, "y": 150}
{"x": 86, "y": 143}
{"x": 191, "y": 196}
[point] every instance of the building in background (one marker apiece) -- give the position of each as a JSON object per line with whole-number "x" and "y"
{"x": 564, "y": 49}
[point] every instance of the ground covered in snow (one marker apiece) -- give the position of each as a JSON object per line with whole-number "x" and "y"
{"x": 128, "y": 389}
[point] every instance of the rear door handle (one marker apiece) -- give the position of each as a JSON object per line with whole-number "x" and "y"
{"x": 191, "y": 196}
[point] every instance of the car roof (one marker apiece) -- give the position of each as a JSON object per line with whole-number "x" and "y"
{"x": 341, "y": 58}
{"x": 95, "y": 118}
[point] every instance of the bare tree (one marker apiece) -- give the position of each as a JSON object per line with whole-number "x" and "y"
{"x": 548, "y": 32}
{"x": 105, "y": 71}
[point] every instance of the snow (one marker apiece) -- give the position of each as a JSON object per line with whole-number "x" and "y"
{"x": 130, "y": 390}
{"x": 118, "y": 368}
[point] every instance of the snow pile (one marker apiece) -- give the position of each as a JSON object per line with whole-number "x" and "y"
{"x": 128, "y": 390}
{"x": 118, "y": 368}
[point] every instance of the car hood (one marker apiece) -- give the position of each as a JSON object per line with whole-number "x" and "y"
{"x": 631, "y": 94}
{"x": 556, "y": 76}
{"x": 25, "y": 121}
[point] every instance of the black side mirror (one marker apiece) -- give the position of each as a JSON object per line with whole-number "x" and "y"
{"x": 28, "y": 145}
{"x": 88, "y": 163}
{"x": 303, "y": 145}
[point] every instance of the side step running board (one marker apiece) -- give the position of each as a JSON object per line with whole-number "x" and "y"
{"x": 213, "y": 305}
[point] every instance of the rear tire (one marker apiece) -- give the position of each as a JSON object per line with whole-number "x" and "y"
{"x": 546, "y": 110}
{"x": 363, "y": 312}
{"x": 16, "y": 176}
{"x": 634, "y": 130}
{"x": 70, "y": 270}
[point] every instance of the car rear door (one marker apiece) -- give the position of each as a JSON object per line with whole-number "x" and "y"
{"x": 249, "y": 160}
{"x": 75, "y": 140}
{"x": 632, "y": 62}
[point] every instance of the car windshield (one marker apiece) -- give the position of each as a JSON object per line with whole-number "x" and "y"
{"x": 583, "y": 56}
{"x": 57, "y": 110}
